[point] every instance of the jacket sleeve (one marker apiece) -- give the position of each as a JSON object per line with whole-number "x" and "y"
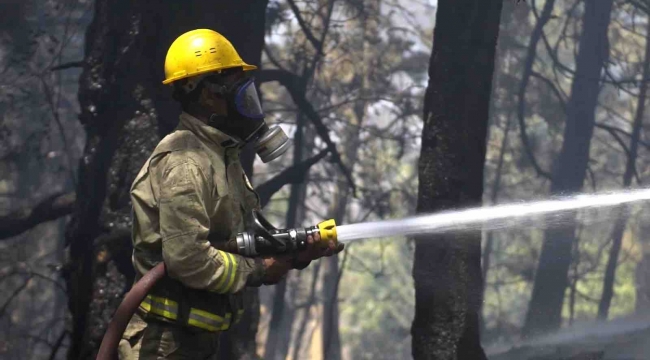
{"x": 185, "y": 224}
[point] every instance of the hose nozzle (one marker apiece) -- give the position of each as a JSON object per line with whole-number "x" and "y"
{"x": 262, "y": 238}
{"x": 327, "y": 230}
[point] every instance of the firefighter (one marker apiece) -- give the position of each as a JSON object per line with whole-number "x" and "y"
{"x": 191, "y": 195}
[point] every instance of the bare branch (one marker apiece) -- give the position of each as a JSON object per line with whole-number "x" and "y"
{"x": 51, "y": 208}
{"x": 291, "y": 81}
{"x": 272, "y": 58}
{"x": 13, "y": 295}
{"x": 553, "y": 88}
{"x": 57, "y": 344}
{"x": 68, "y": 65}
{"x": 614, "y": 132}
{"x": 592, "y": 176}
{"x": 55, "y": 114}
{"x": 642, "y": 5}
{"x": 293, "y": 175}
{"x": 318, "y": 45}
{"x": 54, "y": 282}
{"x": 531, "y": 54}
{"x": 622, "y": 132}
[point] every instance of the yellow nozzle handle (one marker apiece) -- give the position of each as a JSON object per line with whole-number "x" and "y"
{"x": 327, "y": 230}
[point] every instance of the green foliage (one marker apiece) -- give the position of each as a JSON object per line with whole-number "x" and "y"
{"x": 377, "y": 299}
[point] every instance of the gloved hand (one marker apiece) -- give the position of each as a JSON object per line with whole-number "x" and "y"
{"x": 314, "y": 251}
{"x": 276, "y": 267}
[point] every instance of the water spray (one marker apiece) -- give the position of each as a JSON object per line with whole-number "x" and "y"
{"x": 261, "y": 238}
{"x": 497, "y": 217}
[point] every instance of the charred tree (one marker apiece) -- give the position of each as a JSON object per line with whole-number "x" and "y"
{"x": 545, "y": 308}
{"x": 630, "y": 171}
{"x": 447, "y": 268}
{"x": 125, "y": 110}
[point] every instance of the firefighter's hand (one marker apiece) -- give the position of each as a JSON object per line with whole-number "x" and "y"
{"x": 316, "y": 251}
{"x": 276, "y": 267}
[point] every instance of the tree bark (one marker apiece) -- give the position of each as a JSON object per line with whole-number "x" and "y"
{"x": 630, "y": 169}
{"x": 447, "y": 268}
{"x": 126, "y": 110}
{"x": 545, "y": 308}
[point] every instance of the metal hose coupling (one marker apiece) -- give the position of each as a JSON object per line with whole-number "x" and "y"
{"x": 262, "y": 238}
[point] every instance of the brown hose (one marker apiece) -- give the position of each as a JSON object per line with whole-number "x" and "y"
{"x": 132, "y": 299}
{"x": 108, "y": 348}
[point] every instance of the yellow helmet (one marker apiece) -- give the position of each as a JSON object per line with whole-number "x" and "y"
{"x": 198, "y": 52}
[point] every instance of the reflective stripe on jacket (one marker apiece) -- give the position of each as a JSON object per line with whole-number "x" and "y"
{"x": 190, "y": 194}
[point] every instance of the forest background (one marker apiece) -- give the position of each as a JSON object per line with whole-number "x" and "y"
{"x": 347, "y": 80}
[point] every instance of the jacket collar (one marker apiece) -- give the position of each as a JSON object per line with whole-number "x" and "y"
{"x": 207, "y": 133}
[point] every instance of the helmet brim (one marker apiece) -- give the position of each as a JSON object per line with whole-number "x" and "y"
{"x": 215, "y": 69}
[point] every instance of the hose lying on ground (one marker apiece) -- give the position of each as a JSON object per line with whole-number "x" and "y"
{"x": 111, "y": 340}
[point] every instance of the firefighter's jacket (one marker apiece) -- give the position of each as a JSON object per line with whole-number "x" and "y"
{"x": 189, "y": 195}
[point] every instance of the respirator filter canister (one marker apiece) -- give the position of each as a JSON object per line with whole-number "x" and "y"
{"x": 272, "y": 143}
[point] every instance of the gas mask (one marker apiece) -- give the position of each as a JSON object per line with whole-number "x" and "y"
{"x": 245, "y": 119}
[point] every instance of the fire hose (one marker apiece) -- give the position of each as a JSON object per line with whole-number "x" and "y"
{"x": 260, "y": 239}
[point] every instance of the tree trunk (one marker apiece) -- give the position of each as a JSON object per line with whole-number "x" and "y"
{"x": 278, "y": 340}
{"x": 494, "y": 199}
{"x": 447, "y": 268}
{"x": 126, "y": 45}
{"x": 630, "y": 170}
{"x": 352, "y": 141}
{"x": 280, "y": 328}
{"x": 545, "y": 308}
{"x": 331, "y": 337}
{"x": 642, "y": 271}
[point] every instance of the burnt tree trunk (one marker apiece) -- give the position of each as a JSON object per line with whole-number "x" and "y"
{"x": 545, "y": 308}
{"x": 125, "y": 110}
{"x": 447, "y": 268}
{"x": 630, "y": 170}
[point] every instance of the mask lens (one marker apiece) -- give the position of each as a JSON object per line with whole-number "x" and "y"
{"x": 247, "y": 102}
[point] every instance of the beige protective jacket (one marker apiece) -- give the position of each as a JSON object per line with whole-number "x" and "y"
{"x": 191, "y": 194}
